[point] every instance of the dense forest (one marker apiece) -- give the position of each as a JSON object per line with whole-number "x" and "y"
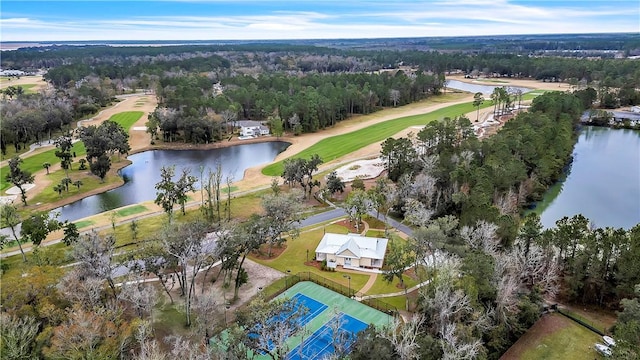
{"x": 488, "y": 264}
{"x": 298, "y": 87}
{"x": 493, "y": 267}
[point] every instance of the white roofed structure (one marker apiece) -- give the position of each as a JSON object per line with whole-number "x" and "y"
{"x": 352, "y": 250}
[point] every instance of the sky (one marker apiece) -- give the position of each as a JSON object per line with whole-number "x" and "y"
{"x": 26, "y": 20}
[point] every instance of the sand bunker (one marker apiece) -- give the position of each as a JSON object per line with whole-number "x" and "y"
{"x": 364, "y": 169}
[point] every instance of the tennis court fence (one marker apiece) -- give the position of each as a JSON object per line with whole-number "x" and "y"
{"x": 293, "y": 279}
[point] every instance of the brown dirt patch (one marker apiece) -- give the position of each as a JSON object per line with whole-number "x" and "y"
{"x": 263, "y": 252}
{"x": 412, "y": 273}
{"x": 260, "y": 276}
{"x": 315, "y": 264}
{"x": 350, "y": 226}
{"x": 548, "y": 324}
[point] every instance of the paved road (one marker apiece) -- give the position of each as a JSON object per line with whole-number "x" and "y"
{"x": 334, "y": 213}
{"x": 395, "y": 224}
{"x": 337, "y": 212}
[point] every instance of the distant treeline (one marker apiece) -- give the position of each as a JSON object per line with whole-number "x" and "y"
{"x": 73, "y": 63}
{"x": 299, "y": 104}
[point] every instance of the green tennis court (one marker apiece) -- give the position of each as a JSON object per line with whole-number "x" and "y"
{"x": 336, "y": 304}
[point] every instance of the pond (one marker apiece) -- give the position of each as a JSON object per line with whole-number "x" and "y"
{"x": 141, "y": 176}
{"x": 484, "y": 89}
{"x": 603, "y": 183}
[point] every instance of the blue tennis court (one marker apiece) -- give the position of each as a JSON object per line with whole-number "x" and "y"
{"x": 313, "y": 309}
{"x": 321, "y": 343}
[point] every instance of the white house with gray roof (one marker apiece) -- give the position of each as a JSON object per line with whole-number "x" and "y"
{"x": 352, "y": 250}
{"x": 252, "y": 128}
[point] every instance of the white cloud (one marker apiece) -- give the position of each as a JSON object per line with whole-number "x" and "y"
{"x": 377, "y": 19}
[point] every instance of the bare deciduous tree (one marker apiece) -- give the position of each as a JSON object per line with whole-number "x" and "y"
{"x": 81, "y": 289}
{"x": 183, "y": 348}
{"x": 141, "y": 297}
{"x": 207, "y": 310}
{"x": 394, "y": 96}
{"x": 96, "y": 334}
{"x": 283, "y": 212}
{"x": 455, "y": 348}
{"x": 482, "y": 237}
{"x": 404, "y": 337}
{"x": 95, "y": 254}
{"x": 417, "y": 213}
{"x": 266, "y": 329}
{"x": 185, "y": 244}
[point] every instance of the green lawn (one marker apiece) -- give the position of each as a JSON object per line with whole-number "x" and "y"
{"x": 14, "y": 264}
{"x": 226, "y": 190}
{"x": 89, "y": 183}
{"x": 399, "y": 302}
{"x": 533, "y": 94}
{"x": 375, "y": 233}
{"x": 383, "y": 287}
{"x": 131, "y": 210}
{"x": 27, "y": 88}
{"x": 590, "y": 318}
{"x": 336, "y": 146}
{"x": 571, "y": 342}
{"x": 34, "y": 163}
{"x": 127, "y": 119}
{"x": 294, "y": 257}
{"x": 84, "y": 223}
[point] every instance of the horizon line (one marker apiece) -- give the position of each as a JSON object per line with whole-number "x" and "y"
{"x": 329, "y": 38}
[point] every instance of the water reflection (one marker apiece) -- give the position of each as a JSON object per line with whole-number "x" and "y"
{"x": 141, "y": 176}
{"x": 604, "y": 181}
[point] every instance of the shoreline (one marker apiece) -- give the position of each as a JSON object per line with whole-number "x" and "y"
{"x": 249, "y": 179}
{"x": 126, "y": 162}
{"x": 215, "y": 145}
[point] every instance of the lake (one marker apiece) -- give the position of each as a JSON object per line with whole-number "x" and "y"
{"x": 141, "y": 176}
{"x": 603, "y": 182}
{"x": 484, "y": 89}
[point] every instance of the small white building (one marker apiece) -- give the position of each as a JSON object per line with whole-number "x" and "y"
{"x": 352, "y": 250}
{"x": 252, "y": 128}
{"x": 12, "y": 73}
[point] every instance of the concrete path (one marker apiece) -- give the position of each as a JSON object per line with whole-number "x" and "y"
{"x": 369, "y": 284}
{"x": 399, "y": 293}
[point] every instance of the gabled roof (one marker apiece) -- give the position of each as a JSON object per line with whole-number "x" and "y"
{"x": 351, "y": 246}
{"x": 247, "y": 123}
{"x": 359, "y": 246}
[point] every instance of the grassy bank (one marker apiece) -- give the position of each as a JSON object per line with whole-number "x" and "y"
{"x": 337, "y": 146}
{"x": 34, "y": 163}
{"x": 566, "y": 340}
